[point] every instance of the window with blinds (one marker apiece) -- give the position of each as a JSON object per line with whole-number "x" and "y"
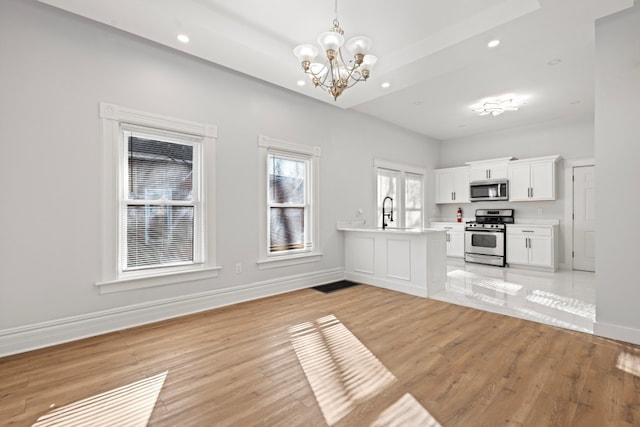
{"x": 160, "y": 206}
{"x": 287, "y": 202}
{"x": 407, "y": 191}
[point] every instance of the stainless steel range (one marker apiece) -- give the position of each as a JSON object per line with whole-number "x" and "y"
{"x": 485, "y": 238}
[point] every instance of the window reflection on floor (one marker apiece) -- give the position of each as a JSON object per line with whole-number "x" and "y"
{"x": 563, "y": 299}
{"x": 559, "y": 302}
{"x": 130, "y": 405}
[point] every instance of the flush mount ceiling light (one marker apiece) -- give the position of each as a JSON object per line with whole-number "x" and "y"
{"x": 183, "y": 38}
{"x": 334, "y": 74}
{"x": 498, "y": 105}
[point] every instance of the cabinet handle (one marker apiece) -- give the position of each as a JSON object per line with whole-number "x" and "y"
{"x": 531, "y": 192}
{"x": 528, "y": 231}
{"x": 448, "y": 228}
{"x": 448, "y": 237}
{"x": 454, "y": 195}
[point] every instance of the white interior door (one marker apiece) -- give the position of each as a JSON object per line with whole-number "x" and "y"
{"x": 584, "y": 218}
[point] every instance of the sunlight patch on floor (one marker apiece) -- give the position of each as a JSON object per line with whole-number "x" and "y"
{"x": 130, "y": 405}
{"x": 406, "y": 412}
{"x": 629, "y": 363}
{"x": 341, "y": 371}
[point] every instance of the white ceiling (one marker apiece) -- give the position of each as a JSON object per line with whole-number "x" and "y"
{"x": 434, "y": 54}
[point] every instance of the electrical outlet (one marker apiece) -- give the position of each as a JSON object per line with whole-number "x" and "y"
{"x": 238, "y": 267}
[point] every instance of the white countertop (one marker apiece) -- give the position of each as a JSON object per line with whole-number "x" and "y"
{"x": 392, "y": 230}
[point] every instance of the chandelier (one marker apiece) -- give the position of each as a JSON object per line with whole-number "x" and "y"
{"x": 498, "y": 105}
{"x": 333, "y": 73}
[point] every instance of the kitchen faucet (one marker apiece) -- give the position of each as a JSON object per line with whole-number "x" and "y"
{"x": 386, "y": 214}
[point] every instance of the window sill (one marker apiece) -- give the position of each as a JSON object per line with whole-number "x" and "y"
{"x": 288, "y": 260}
{"x": 163, "y": 279}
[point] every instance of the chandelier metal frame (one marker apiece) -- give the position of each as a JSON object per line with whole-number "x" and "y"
{"x": 335, "y": 74}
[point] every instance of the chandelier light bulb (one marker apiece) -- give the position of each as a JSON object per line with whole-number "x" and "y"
{"x": 330, "y": 41}
{"x": 359, "y": 45}
{"x": 306, "y": 52}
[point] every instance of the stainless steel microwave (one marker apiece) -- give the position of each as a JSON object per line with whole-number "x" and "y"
{"x": 489, "y": 190}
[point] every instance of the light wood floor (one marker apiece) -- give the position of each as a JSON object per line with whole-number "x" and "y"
{"x": 238, "y": 366}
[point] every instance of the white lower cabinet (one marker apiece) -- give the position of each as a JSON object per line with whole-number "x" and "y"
{"x": 409, "y": 261}
{"x": 532, "y": 245}
{"x": 455, "y": 237}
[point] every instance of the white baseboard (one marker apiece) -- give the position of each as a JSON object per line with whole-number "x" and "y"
{"x": 45, "y": 334}
{"x": 617, "y": 332}
{"x": 387, "y": 284}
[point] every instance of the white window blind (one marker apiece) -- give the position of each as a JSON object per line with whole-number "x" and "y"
{"x": 288, "y": 202}
{"x": 160, "y": 207}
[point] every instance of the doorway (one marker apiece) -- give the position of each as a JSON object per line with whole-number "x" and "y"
{"x": 584, "y": 217}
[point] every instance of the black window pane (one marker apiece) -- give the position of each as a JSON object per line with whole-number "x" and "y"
{"x": 287, "y": 229}
{"x": 159, "y": 170}
{"x": 159, "y": 235}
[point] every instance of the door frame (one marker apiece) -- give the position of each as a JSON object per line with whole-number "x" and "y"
{"x": 568, "y": 206}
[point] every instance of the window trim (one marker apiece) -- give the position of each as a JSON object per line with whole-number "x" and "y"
{"x": 127, "y": 130}
{"x": 403, "y": 170}
{"x": 266, "y": 260}
{"x": 112, "y": 278}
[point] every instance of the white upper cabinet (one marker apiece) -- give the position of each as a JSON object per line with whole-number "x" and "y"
{"x": 452, "y": 185}
{"x": 489, "y": 169}
{"x": 533, "y": 179}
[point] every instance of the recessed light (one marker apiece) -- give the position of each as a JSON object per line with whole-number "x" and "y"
{"x": 183, "y": 38}
{"x": 301, "y": 83}
{"x": 493, "y": 43}
{"x": 555, "y": 61}
{"x": 385, "y": 85}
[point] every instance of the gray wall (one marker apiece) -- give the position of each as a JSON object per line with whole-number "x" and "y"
{"x": 56, "y": 67}
{"x": 617, "y": 137}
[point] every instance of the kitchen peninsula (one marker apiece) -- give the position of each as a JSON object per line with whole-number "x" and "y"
{"x": 412, "y": 261}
